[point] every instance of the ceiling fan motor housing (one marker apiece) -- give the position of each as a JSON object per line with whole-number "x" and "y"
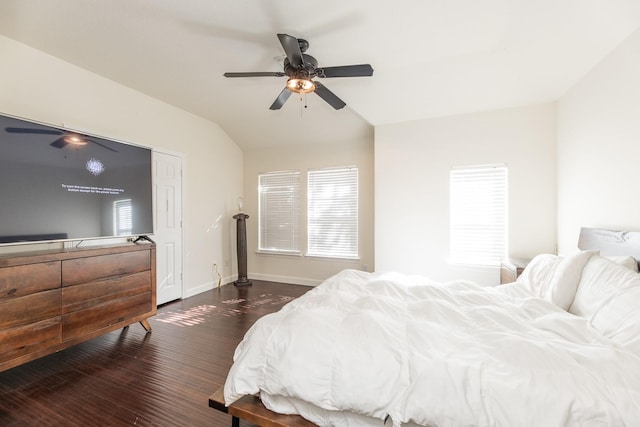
{"x": 307, "y": 69}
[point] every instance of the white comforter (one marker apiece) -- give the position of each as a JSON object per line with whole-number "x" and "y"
{"x": 413, "y": 351}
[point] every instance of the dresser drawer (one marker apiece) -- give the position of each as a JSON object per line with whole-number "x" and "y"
{"x": 89, "y": 320}
{"x": 30, "y": 338}
{"x": 86, "y": 295}
{"x": 29, "y": 308}
{"x": 22, "y": 280}
{"x": 82, "y": 270}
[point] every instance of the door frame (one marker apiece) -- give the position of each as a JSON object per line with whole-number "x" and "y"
{"x": 183, "y": 160}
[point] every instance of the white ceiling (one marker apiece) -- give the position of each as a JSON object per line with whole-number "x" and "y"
{"x": 431, "y": 57}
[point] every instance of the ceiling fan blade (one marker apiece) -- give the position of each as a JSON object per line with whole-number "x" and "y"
{"x": 361, "y": 70}
{"x": 59, "y": 143}
{"x": 102, "y": 145}
{"x": 329, "y": 96}
{"x": 256, "y": 74}
{"x": 281, "y": 99}
{"x": 33, "y": 131}
{"x": 292, "y": 49}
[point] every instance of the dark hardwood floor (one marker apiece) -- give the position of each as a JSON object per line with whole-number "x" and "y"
{"x": 128, "y": 377}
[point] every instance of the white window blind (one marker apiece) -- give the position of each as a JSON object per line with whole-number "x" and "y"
{"x": 478, "y": 214}
{"x": 279, "y": 212}
{"x": 332, "y": 213}
{"x": 122, "y": 217}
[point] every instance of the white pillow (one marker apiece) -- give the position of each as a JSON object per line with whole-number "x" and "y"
{"x": 562, "y": 287}
{"x": 601, "y": 279}
{"x": 538, "y": 273}
{"x": 618, "y": 318}
{"x": 627, "y": 261}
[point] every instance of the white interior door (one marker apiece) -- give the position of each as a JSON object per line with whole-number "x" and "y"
{"x": 167, "y": 184}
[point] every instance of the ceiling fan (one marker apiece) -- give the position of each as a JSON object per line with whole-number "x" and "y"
{"x": 301, "y": 68}
{"x": 66, "y": 138}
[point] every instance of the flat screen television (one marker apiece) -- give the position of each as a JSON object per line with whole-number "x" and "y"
{"x": 57, "y": 184}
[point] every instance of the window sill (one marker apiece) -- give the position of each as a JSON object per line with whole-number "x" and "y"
{"x": 332, "y": 258}
{"x": 279, "y": 253}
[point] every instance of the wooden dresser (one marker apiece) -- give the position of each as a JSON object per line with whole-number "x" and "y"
{"x": 50, "y": 300}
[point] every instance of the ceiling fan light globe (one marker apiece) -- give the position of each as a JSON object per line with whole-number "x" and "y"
{"x": 300, "y": 85}
{"x": 75, "y": 140}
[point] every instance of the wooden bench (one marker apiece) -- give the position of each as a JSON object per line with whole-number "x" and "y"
{"x": 251, "y": 409}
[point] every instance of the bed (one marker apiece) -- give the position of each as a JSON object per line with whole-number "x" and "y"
{"x": 558, "y": 347}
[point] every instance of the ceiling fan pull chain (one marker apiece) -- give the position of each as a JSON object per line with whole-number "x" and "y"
{"x": 301, "y": 104}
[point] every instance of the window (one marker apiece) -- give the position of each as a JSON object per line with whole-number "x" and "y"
{"x": 332, "y": 213}
{"x": 122, "y": 217}
{"x": 478, "y": 214}
{"x": 279, "y": 212}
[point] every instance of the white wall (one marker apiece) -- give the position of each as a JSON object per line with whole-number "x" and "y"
{"x": 597, "y": 153}
{"x": 412, "y": 164}
{"x": 599, "y": 148}
{"x": 37, "y": 86}
{"x": 300, "y": 269}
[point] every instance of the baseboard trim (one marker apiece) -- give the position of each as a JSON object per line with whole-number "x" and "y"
{"x": 207, "y": 287}
{"x": 285, "y": 279}
{"x": 198, "y": 290}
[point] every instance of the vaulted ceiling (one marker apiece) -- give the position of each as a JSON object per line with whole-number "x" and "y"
{"x": 431, "y": 57}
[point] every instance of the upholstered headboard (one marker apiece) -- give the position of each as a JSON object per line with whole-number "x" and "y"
{"x": 610, "y": 242}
